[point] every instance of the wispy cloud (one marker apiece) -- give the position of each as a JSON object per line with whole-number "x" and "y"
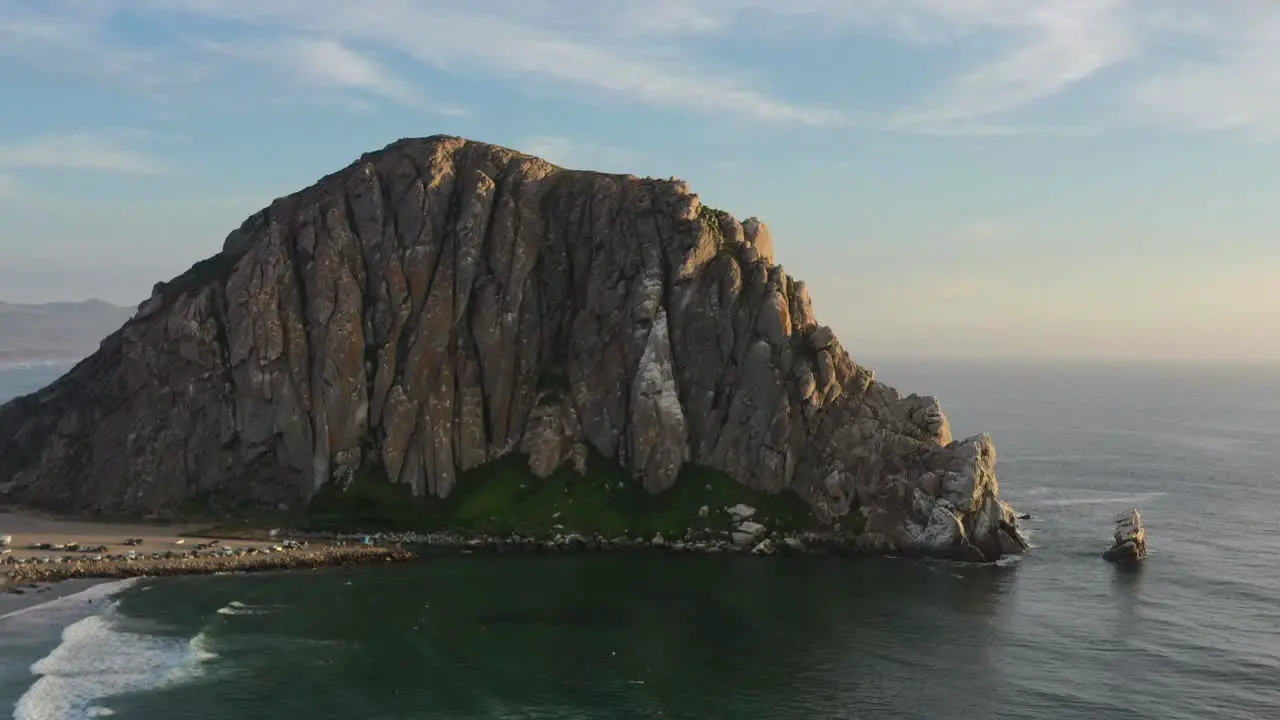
{"x": 1235, "y": 88}
{"x": 79, "y": 151}
{"x": 319, "y": 63}
{"x": 68, "y": 36}
{"x": 538, "y": 40}
{"x": 1062, "y": 45}
{"x": 1033, "y": 50}
{"x": 1029, "y": 50}
{"x": 1008, "y": 56}
{"x": 613, "y": 49}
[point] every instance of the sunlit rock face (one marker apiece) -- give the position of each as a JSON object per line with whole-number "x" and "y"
{"x": 440, "y": 303}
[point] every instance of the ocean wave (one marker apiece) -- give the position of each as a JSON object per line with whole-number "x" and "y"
{"x": 98, "y": 659}
{"x": 235, "y": 607}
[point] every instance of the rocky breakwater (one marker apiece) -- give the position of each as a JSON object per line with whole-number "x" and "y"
{"x": 743, "y": 536}
{"x": 15, "y": 572}
{"x": 443, "y": 303}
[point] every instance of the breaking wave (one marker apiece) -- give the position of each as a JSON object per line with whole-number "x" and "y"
{"x": 98, "y": 659}
{"x": 236, "y": 607}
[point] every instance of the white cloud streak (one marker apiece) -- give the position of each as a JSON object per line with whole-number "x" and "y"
{"x": 1009, "y": 55}
{"x": 1236, "y": 88}
{"x": 321, "y": 64}
{"x": 1062, "y": 47}
{"x": 517, "y": 40}
{"x": 611, "y": 49}
{"x": 79, "y": 151}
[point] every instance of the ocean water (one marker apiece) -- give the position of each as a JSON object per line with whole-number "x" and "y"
{"x": 1193, "y": 633}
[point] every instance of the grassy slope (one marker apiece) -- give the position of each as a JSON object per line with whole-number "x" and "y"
{"x": 504, "y": 497}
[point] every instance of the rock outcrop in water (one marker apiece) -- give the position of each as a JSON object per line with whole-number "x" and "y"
{"x": 441, "y": 303}
{"x": 1130, "y": 539}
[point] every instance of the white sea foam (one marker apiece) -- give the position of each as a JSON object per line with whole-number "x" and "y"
{"x": 238, "y": 608}
{"x": 98, "y": 659}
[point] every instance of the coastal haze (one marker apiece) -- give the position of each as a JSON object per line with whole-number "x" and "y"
{"x": 56, "y": 332}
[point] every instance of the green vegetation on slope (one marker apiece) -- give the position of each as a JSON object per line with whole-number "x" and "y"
{"x": 711, "y": 218}
{"x": 209, "y": 270}
{"x": 504, "y": 497}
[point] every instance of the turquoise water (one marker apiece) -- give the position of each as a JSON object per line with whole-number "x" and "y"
{"x": 1056, "y": 634}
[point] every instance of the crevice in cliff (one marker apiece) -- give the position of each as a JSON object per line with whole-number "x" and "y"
{"x": 221, "y": 311}
{"x": 363, "y": 277}
{"x": 484, "y": 275}
{"x": 289, "y": 243}
{"x": 369, "y": 282}
{"x": 441, "y": 239}
{"x": 504, "y": 189}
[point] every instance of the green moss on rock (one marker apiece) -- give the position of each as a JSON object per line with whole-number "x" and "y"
{"x": 504, "y": 497}
{"x": 712, "y": 219}
{"x": 208, "y": 271}
{"x": 554, "y": 384}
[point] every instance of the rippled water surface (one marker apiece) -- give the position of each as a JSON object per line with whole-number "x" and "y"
{"x": 1194, "y": 633}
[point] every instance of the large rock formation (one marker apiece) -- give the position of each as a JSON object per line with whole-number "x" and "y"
{"x": 442, "y": 302}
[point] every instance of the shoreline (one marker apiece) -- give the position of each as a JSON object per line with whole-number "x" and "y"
{"x": 760, "y": 543}
{"x": 37, "y": 551}
{"x": 34, "y": 577}
{"x": 44, "y": 550}
{"x": 33, "y": 596}
{"x": 20, "y": 576}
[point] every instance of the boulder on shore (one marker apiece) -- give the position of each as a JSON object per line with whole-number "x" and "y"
{"x": 1130, "y": 539}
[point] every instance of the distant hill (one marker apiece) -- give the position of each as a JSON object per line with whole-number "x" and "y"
{"x": 57, "y": 331}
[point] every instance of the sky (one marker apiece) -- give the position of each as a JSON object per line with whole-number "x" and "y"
{"x": 1065, "y": 179}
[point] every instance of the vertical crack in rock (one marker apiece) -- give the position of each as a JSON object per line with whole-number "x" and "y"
{"x": 659, "y": 445}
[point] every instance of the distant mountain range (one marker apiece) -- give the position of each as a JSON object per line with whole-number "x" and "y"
{"x": 57, "y": 331}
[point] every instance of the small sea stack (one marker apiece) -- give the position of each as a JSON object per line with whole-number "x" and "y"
{"x": 1130, "y": 539}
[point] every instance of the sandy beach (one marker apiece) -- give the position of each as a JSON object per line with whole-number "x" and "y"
{"x": 29, "y": 529}
{"x": 49, "y": 557}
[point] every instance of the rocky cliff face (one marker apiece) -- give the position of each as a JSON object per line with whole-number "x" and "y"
{"x": 443, "y": 302}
